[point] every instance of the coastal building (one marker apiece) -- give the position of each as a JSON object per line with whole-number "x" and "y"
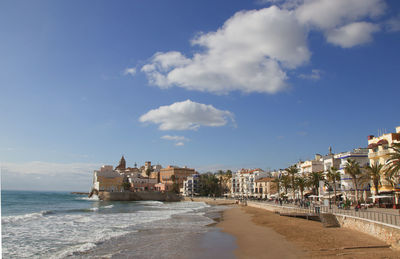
{"x": 380, "y": 148}
{"x": 142, "y": 184}
{"x": 192, "y": 186}
{"x": 243, "y": 182}
{"x": 265, "y": 188}
{"x": 107, "y": 179}
{"x": 311, "y": 166}
{"x": 176, "y": 174}
{"x": 360, "y": 155}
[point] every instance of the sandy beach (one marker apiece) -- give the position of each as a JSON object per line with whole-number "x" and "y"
{"x": 262, "y": 234}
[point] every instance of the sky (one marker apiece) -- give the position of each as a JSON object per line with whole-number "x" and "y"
{"x": 207, "y": 84}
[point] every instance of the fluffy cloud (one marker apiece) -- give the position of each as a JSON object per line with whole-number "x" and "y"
{"x": 254, "y": 50}
{"x": 340, "y": 19}
{"x": 187, "y": 115}
{"x": 130, "y": 71}
{"x": 249, "y": 53}
{"x": 327, "y": 14}
{"x": 352, "y": 34}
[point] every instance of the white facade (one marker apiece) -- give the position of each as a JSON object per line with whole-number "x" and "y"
{"x": 243, "y": 182}
{"x": 311, "y": 166}
{"x": 191, "y": 186}
{"x": 360, "y": 155}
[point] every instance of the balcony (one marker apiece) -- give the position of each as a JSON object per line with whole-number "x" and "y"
{"x": 379, "y": 154}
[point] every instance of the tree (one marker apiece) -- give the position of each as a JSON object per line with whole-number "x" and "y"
{"x": 315, "y": 178}
{"x": 126, "y": 185}
{"x": 285, "y": 182}
{"x": 393, "y": 165}
{"x": 353, "y": 169}
{"x": 228, "y": 177}
{"x": 277, "y": 181}
{"x": 301, "y": 182}
{"x": 375, "y": 173}
{"x": 175, "y": 185}
{"x": 210, "y": 184}
{"x": 148, "y": 173}
{"x": 333, "y": 176}
{"x": 292, "y": 171}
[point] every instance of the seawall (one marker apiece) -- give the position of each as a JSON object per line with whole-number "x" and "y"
{"x": 211, "y": 201}
{"x": 385, "y": 232}
{"x": 139, "y": 196}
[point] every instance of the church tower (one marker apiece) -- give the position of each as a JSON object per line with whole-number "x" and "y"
{"x": 122, "y": 164}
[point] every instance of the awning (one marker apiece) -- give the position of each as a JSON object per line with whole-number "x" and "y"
{"x": 372, "y": 145}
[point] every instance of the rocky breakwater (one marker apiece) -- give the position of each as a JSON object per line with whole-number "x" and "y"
{"x": 139, "y": 196}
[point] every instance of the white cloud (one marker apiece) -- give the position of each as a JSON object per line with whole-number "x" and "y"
{"x": 39, "y": 175}
{"x": 179, "y": 144}
{"x": 249, "y": 53}
{"x": 187, "y": 115}
{"x": 174, "y": 138}
{"x": 315, "y": 75}
{"x": 328, "y": 14}
{"x": 286, "y": 4}
{"x": 352, "y": 34}
{"x": 254, "y": 50}
{"x": 130, "y": 71}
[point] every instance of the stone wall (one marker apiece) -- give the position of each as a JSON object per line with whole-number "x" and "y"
{"x": 139, "y": 196}
{"x": 389, "y": 234}
{"x": 211, "y": 201}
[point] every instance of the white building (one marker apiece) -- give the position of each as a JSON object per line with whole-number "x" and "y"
{"x": 360, "y": 155}
{"x": 191, "y": 186}
{"x": 243, "y": 182}
{"x": 311, "y": 166}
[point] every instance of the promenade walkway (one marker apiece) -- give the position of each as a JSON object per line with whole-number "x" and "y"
{"x": 386, "y": 216}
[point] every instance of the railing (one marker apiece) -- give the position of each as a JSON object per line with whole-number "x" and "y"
{"x": 391, "y": 219}
{"x": 368, "y": 214}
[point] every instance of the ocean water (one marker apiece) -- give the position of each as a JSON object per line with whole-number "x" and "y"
{"x": 60, "y": 225}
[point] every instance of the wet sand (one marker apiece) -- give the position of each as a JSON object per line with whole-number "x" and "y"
{"x": 263, "y": 234}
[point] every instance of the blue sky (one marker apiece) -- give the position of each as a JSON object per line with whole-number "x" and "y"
{"x": 205, "y": 84}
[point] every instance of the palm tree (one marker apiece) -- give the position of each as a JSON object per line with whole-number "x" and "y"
{"x": 393, "y": 164}
{"x": 333, "y": 176}
{"x": 302, "y": 183}
{"x": 315, "y": 178}
{"x": 353, "y": 169}
{"x": 375, "y": 174}
{"x": 292, "y": 171}
{"x": 285, "y": 181}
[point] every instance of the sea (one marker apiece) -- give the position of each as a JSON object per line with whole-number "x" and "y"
{"x": 65, "y": 225}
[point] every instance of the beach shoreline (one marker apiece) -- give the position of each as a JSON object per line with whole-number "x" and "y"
{"x": 263, "y": 234}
